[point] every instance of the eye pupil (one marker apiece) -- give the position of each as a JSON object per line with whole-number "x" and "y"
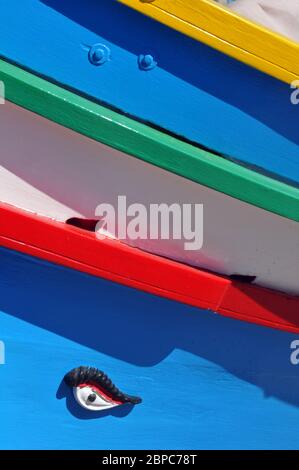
{"x": 92, "y": 397}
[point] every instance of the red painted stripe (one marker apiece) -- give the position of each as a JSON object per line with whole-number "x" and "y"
{"x": 75, "y": 248}
{"x": 263, "y": 306}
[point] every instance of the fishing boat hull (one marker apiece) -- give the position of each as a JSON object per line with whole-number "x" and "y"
{"x": 206, "y": 382}
{"x": 188, "y": 88}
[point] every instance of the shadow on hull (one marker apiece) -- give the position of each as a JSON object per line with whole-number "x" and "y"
{"x": 141, "y": 329}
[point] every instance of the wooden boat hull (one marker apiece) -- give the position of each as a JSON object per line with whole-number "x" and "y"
{"x": 156, "y": 325}
{"x": 79, "y": 249}
{"x": 147, "y": 144}
{"x": 194, "y": 91}
{"x": 55, "y": 172}
{"x": 208, "y": 22}
{"x": 207, "y": 382}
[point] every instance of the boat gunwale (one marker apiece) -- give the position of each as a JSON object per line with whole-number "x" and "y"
{"x": 148, "y": 144}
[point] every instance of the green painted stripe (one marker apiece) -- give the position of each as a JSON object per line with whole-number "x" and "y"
{"x": 150, "y": 145}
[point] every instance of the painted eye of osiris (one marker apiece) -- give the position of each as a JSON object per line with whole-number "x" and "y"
{"x": 94, "y": 391}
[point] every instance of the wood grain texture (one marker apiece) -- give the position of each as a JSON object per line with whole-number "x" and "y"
{"x": 194, "y": 92}
{"x": 227, "y": 32}
{"x": 207, "y": 382}
{"x": 150, "y": 145}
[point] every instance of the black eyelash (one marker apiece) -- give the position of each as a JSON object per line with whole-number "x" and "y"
{"x": 92, "y": 375}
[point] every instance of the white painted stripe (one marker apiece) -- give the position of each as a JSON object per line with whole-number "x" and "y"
{"x": 50, "y": 170}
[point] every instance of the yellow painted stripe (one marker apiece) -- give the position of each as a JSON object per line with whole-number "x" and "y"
{"x": 227, "y": 32}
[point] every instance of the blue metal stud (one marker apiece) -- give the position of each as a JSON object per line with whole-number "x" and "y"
{"x": 146, "y": 62}
{"x": 99, "y": 54}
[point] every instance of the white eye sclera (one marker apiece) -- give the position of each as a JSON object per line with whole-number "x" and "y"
{"x": 94, "y": 391}
{"x": 93, "y": 400}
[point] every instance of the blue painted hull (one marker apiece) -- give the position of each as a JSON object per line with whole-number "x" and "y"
{"x": 207, "y": 382}
{"x": 194, "y": 92}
